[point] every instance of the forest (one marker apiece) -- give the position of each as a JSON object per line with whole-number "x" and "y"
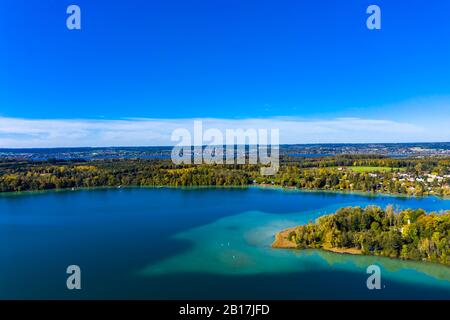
{"x": 409, "y": 176}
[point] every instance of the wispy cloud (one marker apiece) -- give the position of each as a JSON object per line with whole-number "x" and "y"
{"x": 22, "y": 133}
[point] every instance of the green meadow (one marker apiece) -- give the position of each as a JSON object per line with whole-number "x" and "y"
{"x": 374, "y": 169}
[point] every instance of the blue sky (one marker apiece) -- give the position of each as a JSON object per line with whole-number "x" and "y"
{"x": 311, "y": 62}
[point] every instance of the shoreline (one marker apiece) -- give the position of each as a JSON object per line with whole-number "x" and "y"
{"x": 282, "y": 242}
{"x": 289, "y": 245}
{"x": 356, "y": 192}
{"x": 249, "y": 186}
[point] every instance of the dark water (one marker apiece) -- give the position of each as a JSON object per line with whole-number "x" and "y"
{"x": 192, "y": 243}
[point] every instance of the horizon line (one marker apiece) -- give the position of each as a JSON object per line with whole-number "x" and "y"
{"x": 205, "y": 145}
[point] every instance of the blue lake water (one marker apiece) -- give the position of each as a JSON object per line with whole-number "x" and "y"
{"x": 167, "y": 243}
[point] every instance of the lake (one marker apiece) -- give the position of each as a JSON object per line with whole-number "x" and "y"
{"x": 198, "y": 243}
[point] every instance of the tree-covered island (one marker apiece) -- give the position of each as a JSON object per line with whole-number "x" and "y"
{"x": 408, "y": 234}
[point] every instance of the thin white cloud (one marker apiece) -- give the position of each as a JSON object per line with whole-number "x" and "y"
{"x": 24, "y": 133}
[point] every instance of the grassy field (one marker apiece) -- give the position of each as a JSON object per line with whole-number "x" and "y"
{"x": 374, "y": 169}
{"x": 362, "y": 168}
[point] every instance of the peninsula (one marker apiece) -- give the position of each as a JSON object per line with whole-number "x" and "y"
{"x": 408, "y": 234}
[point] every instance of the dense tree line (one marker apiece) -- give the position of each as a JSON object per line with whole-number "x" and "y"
{"x": 409, "y": 234}
{"x": 405, "y": 176}
{"x": 46, "y": 176}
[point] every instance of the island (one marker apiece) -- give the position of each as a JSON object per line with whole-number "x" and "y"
{"x": 407, "y": 234}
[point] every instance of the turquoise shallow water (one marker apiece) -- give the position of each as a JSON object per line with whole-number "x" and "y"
{"x": 193, "y": 243}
